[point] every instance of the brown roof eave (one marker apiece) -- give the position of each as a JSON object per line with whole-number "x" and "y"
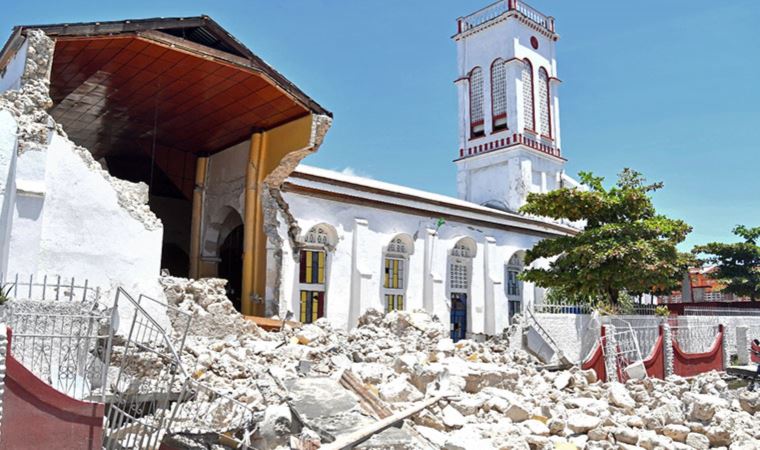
{"x": 147, "y": 27}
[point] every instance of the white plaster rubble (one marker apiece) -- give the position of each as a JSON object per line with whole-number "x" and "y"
{"x": 500, "y": 397}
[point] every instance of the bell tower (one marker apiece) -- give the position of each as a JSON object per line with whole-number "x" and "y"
{"x": 509, "y": 134}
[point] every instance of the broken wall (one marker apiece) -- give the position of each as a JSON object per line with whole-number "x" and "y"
{"x": 62, "y": 213}
{"x": 223, "y": 197}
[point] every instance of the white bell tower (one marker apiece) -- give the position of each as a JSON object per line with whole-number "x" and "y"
{"x": 509, "y": 134}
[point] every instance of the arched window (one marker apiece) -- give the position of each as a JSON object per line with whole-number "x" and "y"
{"x": 527, "y": 94}
{"x": 476, "y": 103}
{"x": 395, "y": 271}
{"x": 499, "y": 95}
{"x": 312, "y": 271}
{"x": 544, "y": 104}
{"x": 460, "y": 268}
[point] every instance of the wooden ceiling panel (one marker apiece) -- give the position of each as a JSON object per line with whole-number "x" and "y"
{"x": 117, "y": 94}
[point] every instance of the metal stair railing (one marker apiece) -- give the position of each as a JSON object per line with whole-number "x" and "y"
{"x": 532, "y": 321}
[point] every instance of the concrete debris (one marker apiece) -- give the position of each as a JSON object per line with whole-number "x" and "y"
{"x": 29, "y": 104}
{"x": 500, "y": 397}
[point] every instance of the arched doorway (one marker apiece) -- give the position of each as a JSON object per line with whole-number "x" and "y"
{"x": 513, "y": 285}
{"x": 231, "y": 264}
{"x": 460, "y": 275}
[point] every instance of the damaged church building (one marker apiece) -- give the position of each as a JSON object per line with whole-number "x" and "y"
{"x": 134, "y": 148}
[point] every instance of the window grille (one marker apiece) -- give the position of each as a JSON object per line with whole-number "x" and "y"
{"x": 312, "y": 267}
{"x": 499, "y": 94}
{"x": 461, "y": 249}
{"x": 476, "y": 102}
{"x": 527, "y": 91}
{"x": 394, "y": 302}
{"x": 513, "y": 284}
{"x": 514, "y": 267}
{"x": 543, "y": 103}
{"x": 312, "y": 306}
{"x": 394, "y": 273}
{"x": 459, "y": 276}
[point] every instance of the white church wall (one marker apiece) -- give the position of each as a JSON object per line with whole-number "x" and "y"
{"x": 28, "y": 206}
{"x": 10, "y": 76}
{"x": 8, "y": 143}
{"x": 507, "y": 176}
{"x": 362, "y": 259}
{"x": 68, "y": 221}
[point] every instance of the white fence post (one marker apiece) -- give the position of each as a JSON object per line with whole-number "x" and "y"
{"x": 742, "y": 345}
{"x": 610, "y": 351}
{"x": 667, "y": 337}
{"x": 724, "y": 344}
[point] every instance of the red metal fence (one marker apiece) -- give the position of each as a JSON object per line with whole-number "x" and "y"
{"x": 684, "y": 363}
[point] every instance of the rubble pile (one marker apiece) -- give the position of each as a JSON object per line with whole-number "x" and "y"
{"x": 500, "y": 397}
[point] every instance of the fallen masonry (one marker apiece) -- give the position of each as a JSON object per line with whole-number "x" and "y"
{"x": 497, "y": 397}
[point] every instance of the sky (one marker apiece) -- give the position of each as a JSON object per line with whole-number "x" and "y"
{"x": 668, "y": 88}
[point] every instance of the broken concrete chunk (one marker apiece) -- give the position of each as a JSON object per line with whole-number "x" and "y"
{"x": 517, "y": 412}
{"x": 698, "y": 441}
{"x": 676, "y": 432}
{"x": 399, "y": 390}
{"x": 452, "y": 418}
{"x": 618, "y": 395}
{"x": 309, "y": 333}
{"x": 581, "y": 423}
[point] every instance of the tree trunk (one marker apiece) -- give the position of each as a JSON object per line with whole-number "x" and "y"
{"x": 613, "y": 295}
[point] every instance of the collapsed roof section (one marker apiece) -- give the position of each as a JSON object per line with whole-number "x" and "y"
{"x": 167, "y": 88}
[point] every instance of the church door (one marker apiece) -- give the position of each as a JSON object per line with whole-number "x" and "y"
{"x": 458, "y": 316}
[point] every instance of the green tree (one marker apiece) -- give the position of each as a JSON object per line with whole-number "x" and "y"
{"x": 625, "y": 248}
{"x": 738, "y": 264}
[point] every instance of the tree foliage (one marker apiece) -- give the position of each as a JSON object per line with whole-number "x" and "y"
{"x": 738, "y": 264}
{"x": 625, "y": 246}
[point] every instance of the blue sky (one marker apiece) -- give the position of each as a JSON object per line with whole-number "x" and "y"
{"x": 668, "y": 88}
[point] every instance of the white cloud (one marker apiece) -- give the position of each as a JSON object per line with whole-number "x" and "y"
{"x": 350, "y": 171}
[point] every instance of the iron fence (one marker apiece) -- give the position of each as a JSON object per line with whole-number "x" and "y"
{"x": 641, "y": 310}
{"x": 49, "y": 287}
{"x": 149, "y": 377}
{"x": 562, "y": 309}
{"x": 622, "y": 349}
{"x": 68, "y": 347}
{"x": 696, "y": 311}
{"x": 203, "y": 414}
{"x": 695, "y": 338}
